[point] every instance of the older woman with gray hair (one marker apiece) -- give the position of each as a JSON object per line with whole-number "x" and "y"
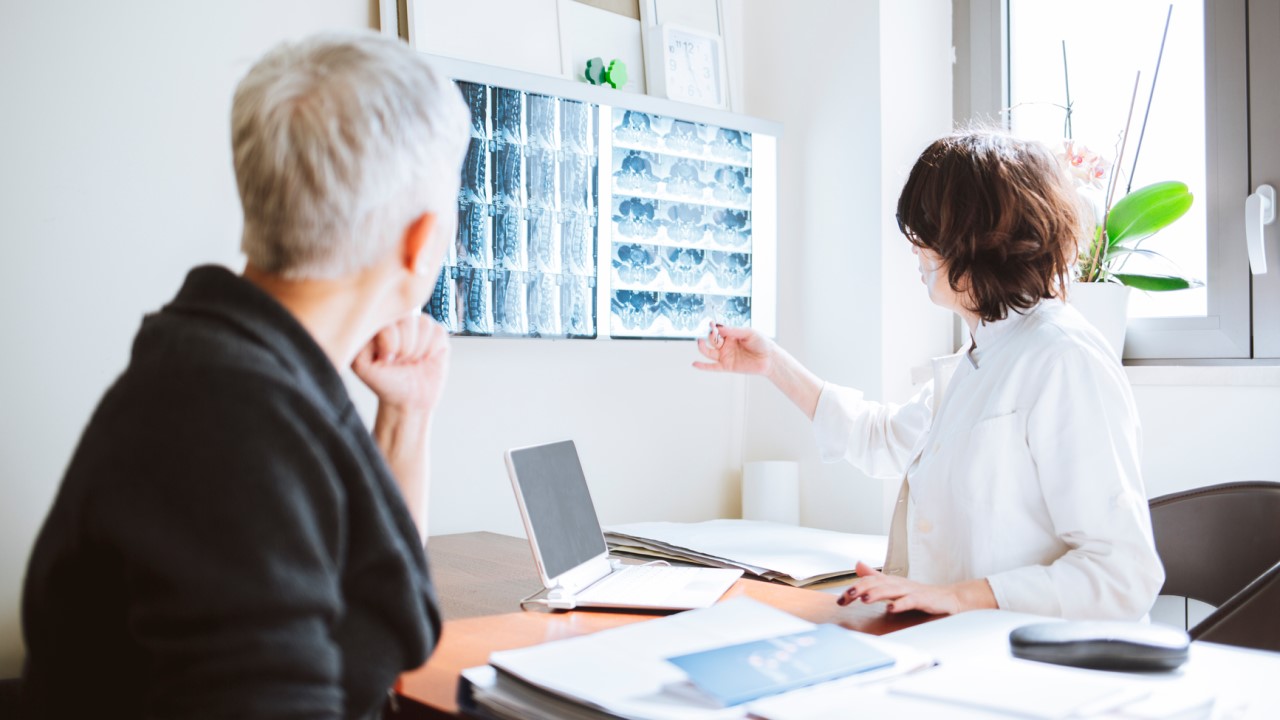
{"x": 229, "y": 539}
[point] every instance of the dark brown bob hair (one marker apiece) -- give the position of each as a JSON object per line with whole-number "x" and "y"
{"x": 1002, "y": 215}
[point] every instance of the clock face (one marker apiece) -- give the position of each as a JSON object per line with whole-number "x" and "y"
{"x": 692, "y": 67}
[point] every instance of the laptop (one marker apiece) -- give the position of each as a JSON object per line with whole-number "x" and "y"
{"x": 569, "y": 548}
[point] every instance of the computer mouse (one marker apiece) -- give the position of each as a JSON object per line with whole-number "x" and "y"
{"x": 1102, "y": 645}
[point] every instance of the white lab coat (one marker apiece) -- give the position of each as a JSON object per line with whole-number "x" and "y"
{"x": 1021, "y": 458}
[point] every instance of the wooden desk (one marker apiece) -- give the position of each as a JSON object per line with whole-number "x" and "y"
{"x": 481, "y": 577}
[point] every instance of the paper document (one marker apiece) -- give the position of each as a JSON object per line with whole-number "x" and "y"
{"x": 776, "y": 551}
{"x": 995, "y": 689}
{"x": 1023, "y": 688}
{"x": 978, "y": 678}
{"x": 623, "y": 672}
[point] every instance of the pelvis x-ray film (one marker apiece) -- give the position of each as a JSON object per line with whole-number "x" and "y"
{"x": 680, "y": 247}
{"x": 524, "y": 260}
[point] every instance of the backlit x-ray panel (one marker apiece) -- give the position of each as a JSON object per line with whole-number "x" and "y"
{"x": 586, "y": 212}
{"x": 524, "y": 263}
{"x": 681, "y": 252}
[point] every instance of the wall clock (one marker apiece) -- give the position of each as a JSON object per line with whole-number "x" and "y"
{"x": 687, "y": 65}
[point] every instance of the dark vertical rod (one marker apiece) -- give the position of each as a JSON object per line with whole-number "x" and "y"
{"x": 1168, "y": 17}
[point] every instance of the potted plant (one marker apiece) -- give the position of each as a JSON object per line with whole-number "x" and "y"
{"x": 1101, "y": 287}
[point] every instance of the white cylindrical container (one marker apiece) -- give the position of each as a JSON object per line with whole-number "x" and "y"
{"x": 771, "y": 491}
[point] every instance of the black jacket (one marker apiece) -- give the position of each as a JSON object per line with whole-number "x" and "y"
{"x": 227, "y": 541}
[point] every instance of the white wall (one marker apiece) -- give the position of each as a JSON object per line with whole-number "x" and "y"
{"x": 658, "y": 440}
{"x": 915, "y": 109}
{"x": 850, "y": 303}
{"x": 827, "y": 265}
{"x": 1207, "y": 425}
{"x": 522, "y": 34}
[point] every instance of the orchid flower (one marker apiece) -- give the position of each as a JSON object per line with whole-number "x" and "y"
{"x": 1087, "y": 168}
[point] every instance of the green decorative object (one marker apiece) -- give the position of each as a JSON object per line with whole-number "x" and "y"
{"x": 616, "y": 74}
{"x": 596, "y": 73}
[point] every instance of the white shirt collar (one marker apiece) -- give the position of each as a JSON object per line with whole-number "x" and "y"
{"x": 991, "y": 335}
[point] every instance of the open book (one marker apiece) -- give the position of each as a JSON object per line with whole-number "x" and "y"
{"x": 797, "y": 556}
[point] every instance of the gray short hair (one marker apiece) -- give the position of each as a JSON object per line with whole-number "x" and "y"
{"x": 340, "y": 142}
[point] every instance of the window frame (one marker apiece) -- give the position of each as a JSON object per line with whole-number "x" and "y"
{"x": 1243, "y": 316}
{"x": 1264, "y": 165}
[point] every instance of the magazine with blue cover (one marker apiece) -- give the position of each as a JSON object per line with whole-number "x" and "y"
{"x": 740, "y": 673}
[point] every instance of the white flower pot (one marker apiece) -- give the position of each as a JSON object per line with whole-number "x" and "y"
{"x": 1106, "y": 306}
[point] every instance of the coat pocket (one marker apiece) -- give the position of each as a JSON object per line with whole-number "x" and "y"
{"x": 994, "y": 469}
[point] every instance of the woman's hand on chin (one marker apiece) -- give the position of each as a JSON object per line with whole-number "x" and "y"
{"x": 405, "y": 364}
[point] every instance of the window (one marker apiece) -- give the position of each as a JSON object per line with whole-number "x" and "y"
{"x": 1211, "y": 124}
{"x": 1105, "y": 56}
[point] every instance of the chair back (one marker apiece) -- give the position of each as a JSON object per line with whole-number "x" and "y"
{"x": 1216, "y": 540}
{"x": 1251, "y": 618}
{"x": 10, "y": 697}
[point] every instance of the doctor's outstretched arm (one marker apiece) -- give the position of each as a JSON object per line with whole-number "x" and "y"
{"x": 746, "y": 351}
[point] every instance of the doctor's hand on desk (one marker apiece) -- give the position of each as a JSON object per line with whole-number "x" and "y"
{"x": 902, "y": 594}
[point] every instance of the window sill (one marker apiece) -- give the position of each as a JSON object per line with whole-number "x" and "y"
{"x": 1223, "y": 375}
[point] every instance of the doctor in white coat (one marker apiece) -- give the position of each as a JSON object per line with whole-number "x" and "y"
{"x": 1021, "y": 484}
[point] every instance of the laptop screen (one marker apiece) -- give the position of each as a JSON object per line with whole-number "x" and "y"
{"x": 558, "y": 505}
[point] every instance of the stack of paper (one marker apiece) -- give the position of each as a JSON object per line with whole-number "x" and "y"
{"x": 1004, "y": 688}
{"x": 794, "y": 555}
{"x": 625, "y": 672}
{"x": 635, "y": 671}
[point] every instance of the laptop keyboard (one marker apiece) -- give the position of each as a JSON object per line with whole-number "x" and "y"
{"x": 652, "y": 585}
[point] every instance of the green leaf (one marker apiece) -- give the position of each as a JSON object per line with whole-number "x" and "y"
{"x": 1156, "y": 283}
{"x": 1117, "y": 252}
{"x": 1146, "y": 211}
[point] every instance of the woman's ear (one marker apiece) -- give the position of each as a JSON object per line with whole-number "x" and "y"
{"x": 415, "y": 257}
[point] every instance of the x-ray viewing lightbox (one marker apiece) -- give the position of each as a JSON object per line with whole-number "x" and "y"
{"x": 586, "y": 212}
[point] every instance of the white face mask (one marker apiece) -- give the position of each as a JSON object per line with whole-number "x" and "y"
{"x": 933, "y": 274}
